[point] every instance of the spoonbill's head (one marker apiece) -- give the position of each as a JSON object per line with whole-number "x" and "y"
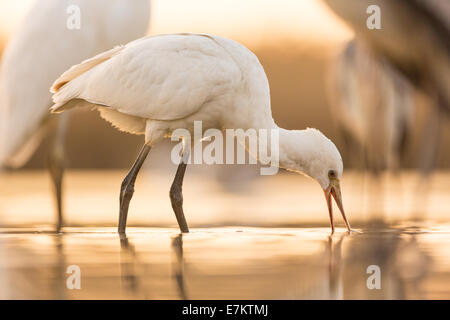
{"x": 313, "y": 154}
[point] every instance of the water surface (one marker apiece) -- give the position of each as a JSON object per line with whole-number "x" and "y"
{"x": 252, "y": 238}
{"x": 226, "y": 263}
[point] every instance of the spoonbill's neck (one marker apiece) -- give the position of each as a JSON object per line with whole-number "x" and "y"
{"x": 309, "y": 152}
{"x": 294, "y": 149}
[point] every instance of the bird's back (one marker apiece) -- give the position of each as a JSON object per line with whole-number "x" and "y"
{"x": 44, "y": 46}
{"x": 166, "y": 77}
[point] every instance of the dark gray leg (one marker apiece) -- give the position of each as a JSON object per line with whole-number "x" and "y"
{"x": 176, "y": 195}
{"x": 127, "y": 188}
{"x": 56, "y": 167}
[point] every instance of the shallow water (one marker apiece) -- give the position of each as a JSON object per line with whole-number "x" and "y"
{"x": 236, "y": 197}
{"x": 277, "y": 245}
{"x": 226, "y": 263}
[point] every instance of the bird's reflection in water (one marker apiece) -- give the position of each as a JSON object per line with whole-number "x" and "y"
{"x": 334, "y": 251}
{"x": 60, "y": 266}
{"x": 253, "y": 263}
{"x": 401, "y": 262}
{"x": 411, "y": 266}
{"x": 129, "y": 274}
{"x": 42, "y": 271}
{"x": 376, "y": 247}
{"x": 178, "y": 266}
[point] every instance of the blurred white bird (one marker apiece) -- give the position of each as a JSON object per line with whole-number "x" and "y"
{"x": 373, "y": 106}
{"x": 415, "y": 39}
{"x": 50, "y": 40}
{"x": 155, "y": 85}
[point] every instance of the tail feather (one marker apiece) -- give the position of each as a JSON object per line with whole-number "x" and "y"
{"x": 84, "y": 66}
{"x": 63, "y": 92}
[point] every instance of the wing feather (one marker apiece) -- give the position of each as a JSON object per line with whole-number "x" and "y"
{"x": 163, "y": 77}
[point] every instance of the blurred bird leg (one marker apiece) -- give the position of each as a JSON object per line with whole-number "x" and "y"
{"x": 430, "y": 141}
{"x": 373, "y": 105}
{"x": 127, "y": 188}
{"x": 176, "y": 193}
{"x": 429, "y": 147}
{"x": 374, "y": 196}
{"x": 56, "y": 166}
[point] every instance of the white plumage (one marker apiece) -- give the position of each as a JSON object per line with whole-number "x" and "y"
{"x": 43, "y": 47}
{"x": 158, "y": 84}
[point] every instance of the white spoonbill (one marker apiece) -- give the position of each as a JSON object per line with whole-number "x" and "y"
{"x": 155, "y": 85}
{"x": 55, "y": 35}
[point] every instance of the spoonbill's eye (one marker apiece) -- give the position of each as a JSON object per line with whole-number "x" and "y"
{"x": 331, "y": 174}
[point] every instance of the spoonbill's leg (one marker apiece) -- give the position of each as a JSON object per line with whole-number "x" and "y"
{"x": 176, "y": 194}
{"x": 127, "y": 188}
{"x": 56, "y": 166}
